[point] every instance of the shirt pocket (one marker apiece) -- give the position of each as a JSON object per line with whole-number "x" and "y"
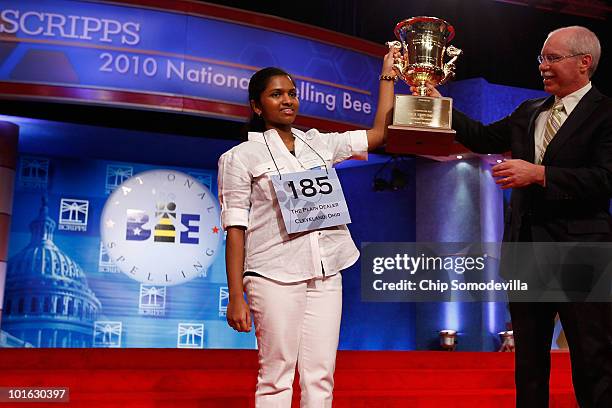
{"x": 262, "y": 185}
{"x": 328, "y": 157}
{"x": 323, "y": 160}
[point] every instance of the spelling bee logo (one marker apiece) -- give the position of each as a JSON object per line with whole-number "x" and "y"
{"x": 161, "y": 227}
{"x": 166, "y": 229}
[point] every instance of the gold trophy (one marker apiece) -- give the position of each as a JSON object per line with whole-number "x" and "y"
{"x": 423, "y": 43}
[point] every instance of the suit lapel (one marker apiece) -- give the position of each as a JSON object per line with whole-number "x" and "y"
{"x": 583, "y": 110}
{"x": 539, "y": 106}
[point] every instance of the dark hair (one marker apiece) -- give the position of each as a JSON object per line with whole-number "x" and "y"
{"x": 257, "y": 84}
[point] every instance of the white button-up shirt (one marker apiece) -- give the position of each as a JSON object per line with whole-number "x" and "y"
{"x": 247, "y": 199}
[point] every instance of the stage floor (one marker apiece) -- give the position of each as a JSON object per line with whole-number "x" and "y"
{"x": 226, "y": 378}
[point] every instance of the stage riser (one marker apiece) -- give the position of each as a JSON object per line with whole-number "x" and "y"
{"x": 213, "y": 381}
{"x": 226, "y": 378}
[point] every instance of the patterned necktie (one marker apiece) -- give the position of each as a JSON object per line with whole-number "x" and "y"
{"x": 552, "y": 126}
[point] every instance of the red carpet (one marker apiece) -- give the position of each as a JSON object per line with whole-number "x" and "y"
{"x": 226, "y": 378}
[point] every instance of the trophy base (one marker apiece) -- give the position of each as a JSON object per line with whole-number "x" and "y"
{"x": 422, "y": 111}
{"x": 422, "y": 141}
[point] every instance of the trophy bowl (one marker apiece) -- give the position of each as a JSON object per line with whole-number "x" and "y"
{"x": 424, "y": 42}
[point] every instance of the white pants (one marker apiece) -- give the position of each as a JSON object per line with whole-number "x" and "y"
{"x": 295, "y": 323}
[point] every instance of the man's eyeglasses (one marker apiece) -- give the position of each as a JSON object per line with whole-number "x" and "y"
{"x": 552, "y": 58}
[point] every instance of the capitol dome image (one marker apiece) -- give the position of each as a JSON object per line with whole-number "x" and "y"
{"x": 48, "y": 302}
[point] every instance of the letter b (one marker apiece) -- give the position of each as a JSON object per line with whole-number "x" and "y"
{"x": 134, "y": 230}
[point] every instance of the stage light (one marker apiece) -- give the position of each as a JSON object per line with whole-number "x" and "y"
{"x": 507, "y": 340}
{"x": 459, "y": 157}
{"x": 499, "y": 160}
{"x": 448, "y": 339}
{"x": 396, "y": 180}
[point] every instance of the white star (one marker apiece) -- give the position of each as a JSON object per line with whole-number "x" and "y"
{"x": 137, "y": 231}
{"x": 110, "y": 223}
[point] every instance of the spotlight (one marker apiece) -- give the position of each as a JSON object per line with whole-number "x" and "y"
{"x": 448, "y": 339}
{"x": 507, "y": 340}
{"x": 396, "y": 180}
{"x": 459, "y": 157}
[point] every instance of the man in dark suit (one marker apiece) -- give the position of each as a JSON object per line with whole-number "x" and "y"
{"x": 561, "y": 176}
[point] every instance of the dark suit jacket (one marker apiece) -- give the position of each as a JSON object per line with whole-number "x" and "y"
{"x": 574, "y": 205}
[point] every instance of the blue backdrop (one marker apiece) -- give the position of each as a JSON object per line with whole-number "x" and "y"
{"x": 443, "y": 201}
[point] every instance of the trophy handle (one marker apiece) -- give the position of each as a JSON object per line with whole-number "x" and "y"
{"x": 398, "y": 64}
{"x": 449, "y": 67}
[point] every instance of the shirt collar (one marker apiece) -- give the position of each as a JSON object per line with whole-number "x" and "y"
{"x": 261, "y": 136}
{"x": 571, "y": 101}
{"x": 269, "y": 134}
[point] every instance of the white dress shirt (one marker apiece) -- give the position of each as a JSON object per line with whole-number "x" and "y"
{"x": 569, "y": 103}
{"x": 248, "y": 199}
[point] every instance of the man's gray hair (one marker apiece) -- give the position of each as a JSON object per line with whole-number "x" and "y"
{"x": 582, "y": 41}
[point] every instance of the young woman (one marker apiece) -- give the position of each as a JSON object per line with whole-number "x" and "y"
{"x": 292, "y": 281}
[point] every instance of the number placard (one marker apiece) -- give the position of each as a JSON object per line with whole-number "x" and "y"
{"x": 310, "y": 200}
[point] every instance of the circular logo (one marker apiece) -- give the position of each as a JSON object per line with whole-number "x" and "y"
{"x": 161, "y": 227}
